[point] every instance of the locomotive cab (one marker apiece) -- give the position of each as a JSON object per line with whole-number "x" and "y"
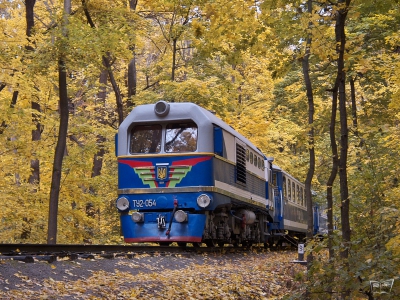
{"x": 186, "y": 176}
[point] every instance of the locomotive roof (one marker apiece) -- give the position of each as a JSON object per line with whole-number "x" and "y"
{"x": 182, "y": 111}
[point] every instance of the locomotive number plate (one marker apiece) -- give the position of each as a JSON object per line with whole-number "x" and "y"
{"x": 144, "y": 203}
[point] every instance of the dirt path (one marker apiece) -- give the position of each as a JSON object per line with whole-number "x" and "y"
{"x": 194, "y": 276}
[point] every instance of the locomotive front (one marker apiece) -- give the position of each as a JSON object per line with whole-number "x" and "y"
{"x": 164, "y": 168}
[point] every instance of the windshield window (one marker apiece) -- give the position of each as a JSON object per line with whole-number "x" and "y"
{"x": 146, "y": 139}
{"x": 181, "y": 137}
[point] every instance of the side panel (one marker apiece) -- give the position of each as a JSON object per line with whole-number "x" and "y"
{"x": 254, "y": 190}
{"x": 295, "y": 217}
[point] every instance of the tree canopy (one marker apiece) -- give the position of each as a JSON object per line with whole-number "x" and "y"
{"x": 241, "y": 59}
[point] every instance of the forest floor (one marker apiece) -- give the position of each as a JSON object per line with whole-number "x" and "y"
{"x": 269, "y": 275}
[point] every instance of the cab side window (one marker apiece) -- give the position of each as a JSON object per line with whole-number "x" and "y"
{"x": 181, "y": 137}
{"x": 145, "y": 139}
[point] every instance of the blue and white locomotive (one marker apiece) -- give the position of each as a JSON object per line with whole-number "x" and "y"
{"x": 185, "y": 176}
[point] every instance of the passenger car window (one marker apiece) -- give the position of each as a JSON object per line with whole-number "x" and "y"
{"x": 146, "y": 139}
{"x": 298, "y": 195}
{"x": 284, "y": 187}
{"x": 302, "y": 195}
{"x": 294, "y": 192}
{"x": 181, "y": 137}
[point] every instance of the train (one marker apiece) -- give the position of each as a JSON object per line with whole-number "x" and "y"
{"x": 185, "y": 176}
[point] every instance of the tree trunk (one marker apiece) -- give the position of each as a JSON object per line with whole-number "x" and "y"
{"x": 311, "y": 169}
{"x": 107, "y": 64}
{"x": 341, "y": 75}
{"x": 132, "y": 72}
{"x": 332, "y": 177}
{"x": 98, "y": 157}
{"x": 132, "y": 79}
{"x": 59, "y": 154}
{"x": 331, "y": 180}
{"x": 29, "y": 16}
{"x": 4, "y": 125}
{"x": 353, "y": 106}
{"x": 34, "y": 178}
{"x": 174, "y": 41}
{"x": 117, "y": 92}
{"x": 62, "y": 138}
{"x": 133, "y": 4}
{"x": 344, "y": 194}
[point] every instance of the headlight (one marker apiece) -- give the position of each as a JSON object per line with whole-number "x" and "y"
{"x": 203, "y": 200}
{"x": 161, "y": 108}
{"x": 137, "y": 217}
{"x": 180, "y": 216}
{"x": 122, "y": 203}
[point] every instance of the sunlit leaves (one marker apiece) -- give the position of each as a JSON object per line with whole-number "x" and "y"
{"x": 252, "y": 276}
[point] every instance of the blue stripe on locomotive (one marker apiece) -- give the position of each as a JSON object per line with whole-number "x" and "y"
{"x": 278, "y": 215}
{"x": 279, "y": 208}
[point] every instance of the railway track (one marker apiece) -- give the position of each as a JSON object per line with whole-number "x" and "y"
{"x": 29, "y": 253}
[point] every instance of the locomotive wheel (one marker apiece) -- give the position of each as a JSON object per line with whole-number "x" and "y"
{"x": 211, "y": 243}
{"x": 221, "y": 244}
{"x": 196, "y": 245}
{"x": 248, "y": 244}
{"x": 164, "y": 243}
{"x": 182, "y": 244}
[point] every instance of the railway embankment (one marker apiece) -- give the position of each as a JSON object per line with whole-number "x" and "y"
{"x": 193, "y": 275}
